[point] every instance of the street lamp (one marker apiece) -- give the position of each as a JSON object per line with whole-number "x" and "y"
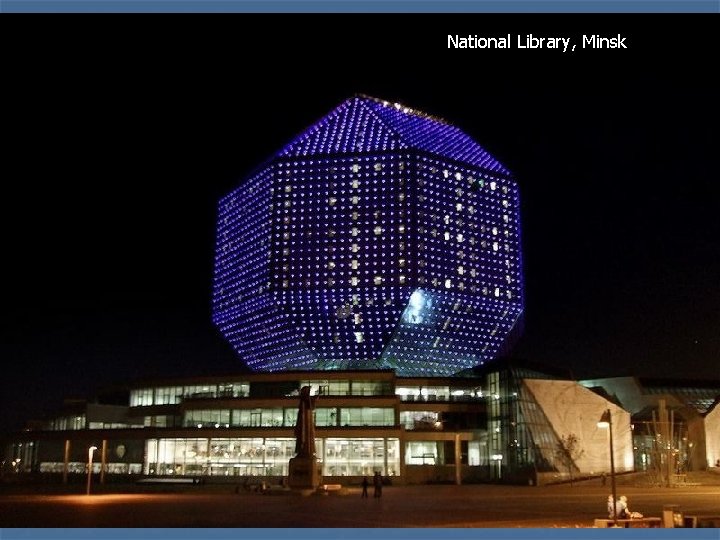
{"x": 90, "y": 457}
{"x": 606, "y": 422}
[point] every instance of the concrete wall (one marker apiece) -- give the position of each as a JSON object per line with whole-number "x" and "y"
{"x": 573, "y": 409}
{"x": 712, "y": 435}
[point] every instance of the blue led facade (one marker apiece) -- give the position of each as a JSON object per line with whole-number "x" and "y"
{"x": 381, "y": 238}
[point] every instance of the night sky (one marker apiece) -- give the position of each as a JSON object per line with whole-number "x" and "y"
{"x": 120, "y": 136}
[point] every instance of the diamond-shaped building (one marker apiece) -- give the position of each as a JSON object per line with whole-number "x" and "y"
{"x": 380, "y": 237}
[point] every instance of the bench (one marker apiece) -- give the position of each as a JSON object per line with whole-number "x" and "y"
{"x": 168, "y": 481}
{"x": 639, "y": 523}
{"x": 331, "y": 487}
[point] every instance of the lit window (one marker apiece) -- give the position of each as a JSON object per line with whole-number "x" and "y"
{"x": 473, "y": 272}
{"x": 494, "y": 230}
{"x": 288, "y": 188}
{"x": 332, "y": 201}
{"x": 331, "y": 265}
{"x": 459, "y": 207}
{"x": 447, "y": 236}
{"x": 354, "y": 264}
{"x": 286, "y": 283}
{"x": 287, "y": 204}
{"x": 446, "y": 173}
{"x": 458, "y": 176}
{"x": 286, "y": 236}
{"x": 357, "y": 319}
{"x": 401, "y": 197}
{"x": 286, "y": 251}
{"x": 495, "y": 246}
{"x": 359, "y": 338}
{"x": 460, "y": 270}
{"x": 355, "y": 167}
{"x": 354, "y": 248}
{"x": 355, "y": 183}
{"x": 448, "y": 283}
{"x": 401, "y": 228}
{"x": 460, "y": 237}
{"x": 378, "y": 280}
{"x": 331, "y": 232}
{"x": 354, "y": 216}
{"x": 378, "y": 166}
{"x": 402, "y": 280}
{"x": 378, "y": 230}
{"x": 505, "y": 204}
{"x": 355, "y": 199}
{"x": 354, "y": 281}
{"x": 401, "y": 263}
{"x": 355, "y": 231}
{"x": 497, "y": 291}
{"x": 493, "y": 186}
{"x": 447, "y": 220}
{"x": 330, "y": 282}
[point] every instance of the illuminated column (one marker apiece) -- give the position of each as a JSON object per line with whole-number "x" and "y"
{"x": 103, "y": 461}
{"x": 66, "y": 461}
{"x": 458, "y": 471}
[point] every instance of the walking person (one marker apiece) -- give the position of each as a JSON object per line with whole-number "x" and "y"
{"x": 377, "y": 482}
{"x": 365, "y": 485}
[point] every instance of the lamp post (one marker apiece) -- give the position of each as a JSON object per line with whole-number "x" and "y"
{"x": 606, "y": 422}
{"x": 90, "y": 458}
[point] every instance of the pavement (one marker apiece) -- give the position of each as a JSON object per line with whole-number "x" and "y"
{"x": 400, "y": 506}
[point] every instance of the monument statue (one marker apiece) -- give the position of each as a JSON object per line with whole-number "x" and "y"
{"x": 303, "y": 470}
{"x": 305, "y": 425}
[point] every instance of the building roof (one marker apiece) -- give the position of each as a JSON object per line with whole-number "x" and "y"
{"x": 363, "y": 124}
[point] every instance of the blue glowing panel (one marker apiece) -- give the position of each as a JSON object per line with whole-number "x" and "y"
{"x": 378, "y": 238}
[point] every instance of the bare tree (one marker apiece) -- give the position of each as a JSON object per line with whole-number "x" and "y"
{"x": 567, "y": 452}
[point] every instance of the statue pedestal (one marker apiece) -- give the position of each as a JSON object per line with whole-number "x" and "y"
{"x": 303, "y": 473}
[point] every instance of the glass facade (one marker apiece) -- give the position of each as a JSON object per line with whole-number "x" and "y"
{"x": 172, "y": 395}
{"x": 401, "y": 251}
{"x": 268, "y": 456}
{"x": 286, "y": 417}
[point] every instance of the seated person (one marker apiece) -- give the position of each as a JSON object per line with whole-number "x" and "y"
{"x": 624, "y": 511}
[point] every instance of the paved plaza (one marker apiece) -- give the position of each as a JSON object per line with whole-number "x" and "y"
{"x": 400, "y": 506}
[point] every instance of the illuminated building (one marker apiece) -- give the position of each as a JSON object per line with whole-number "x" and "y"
{"x": 375, "y": 258}
{"x": 379, "y": 238}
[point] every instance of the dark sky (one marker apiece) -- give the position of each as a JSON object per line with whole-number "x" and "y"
{"x": 121, "y": 134}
